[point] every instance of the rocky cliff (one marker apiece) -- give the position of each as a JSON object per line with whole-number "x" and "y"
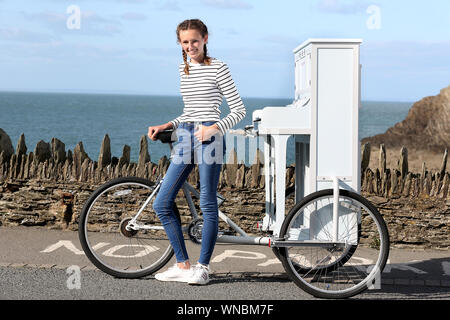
{"x": 425, "y": 128}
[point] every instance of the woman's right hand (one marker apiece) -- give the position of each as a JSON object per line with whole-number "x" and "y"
{"x": 154, "y": 130}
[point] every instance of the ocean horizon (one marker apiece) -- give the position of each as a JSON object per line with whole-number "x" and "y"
{"x": 81, "y": 116}
{"x": 139, "y": 93}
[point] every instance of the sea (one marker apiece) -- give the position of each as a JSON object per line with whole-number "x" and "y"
{"x": 125, "y": 118}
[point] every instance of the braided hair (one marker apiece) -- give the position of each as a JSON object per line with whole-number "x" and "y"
{"x": 193, "y": 24}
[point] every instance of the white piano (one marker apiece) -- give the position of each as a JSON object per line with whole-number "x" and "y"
{"x": 323, "y": 121}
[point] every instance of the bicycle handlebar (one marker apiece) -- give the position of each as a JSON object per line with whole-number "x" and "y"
{"x": 167, "y": 136}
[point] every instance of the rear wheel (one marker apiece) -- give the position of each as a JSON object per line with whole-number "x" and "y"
{"x": 115, "y": 242}
{"x": 327, "y": 269}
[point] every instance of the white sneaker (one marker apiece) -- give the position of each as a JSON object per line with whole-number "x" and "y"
{"x": 200, "y": 275}
{"x": 175, "y": 274}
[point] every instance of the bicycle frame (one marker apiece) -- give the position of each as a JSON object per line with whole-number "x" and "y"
{"x": 188, "y": 191}
{"x": 243, "y": 237}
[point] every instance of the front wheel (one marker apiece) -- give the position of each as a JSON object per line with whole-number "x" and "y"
{"x": 325, "y": 271}
{"x": 117, "y": 242}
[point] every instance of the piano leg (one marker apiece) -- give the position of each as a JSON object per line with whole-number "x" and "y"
{"x": 269, "y": 183}
{"x": 280, "y": 144}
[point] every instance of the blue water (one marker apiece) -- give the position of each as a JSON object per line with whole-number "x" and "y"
{"x": 74, "y": 117}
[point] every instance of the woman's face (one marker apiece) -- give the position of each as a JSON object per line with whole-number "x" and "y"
{"x": 193, "y": 43}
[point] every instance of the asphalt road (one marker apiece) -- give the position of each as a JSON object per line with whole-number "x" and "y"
{"x": 28, "y": 283}
{"x": 42, "y": 264}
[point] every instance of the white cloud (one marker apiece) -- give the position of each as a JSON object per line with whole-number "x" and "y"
{"x": 343, "y": 7}
{"x": 134, "y": 16}
{"x": 23, "y": 35}
{"x": 227, "y": 4}
{"x": 62, "y": 53}
{"x": 91, "y": 23}
{"x": 168, "y": 5}
{"x": 124, "y": 1}
{"x": 131, "y": 1}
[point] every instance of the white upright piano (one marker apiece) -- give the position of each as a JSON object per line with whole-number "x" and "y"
{"x": 323, "y": 121}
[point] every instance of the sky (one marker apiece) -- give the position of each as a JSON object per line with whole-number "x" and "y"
{"x": 129, "y": 46}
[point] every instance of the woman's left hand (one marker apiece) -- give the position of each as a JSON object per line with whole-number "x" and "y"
{"x": 204, "y": 133}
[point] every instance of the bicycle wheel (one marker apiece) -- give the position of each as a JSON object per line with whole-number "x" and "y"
{"x": 111, "y": 242}
{"x": 326, "y": 272}
{"x": 300, "y": 268}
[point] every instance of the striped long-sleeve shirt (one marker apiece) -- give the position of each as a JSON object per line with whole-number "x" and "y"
{"x": 203, "y": 90}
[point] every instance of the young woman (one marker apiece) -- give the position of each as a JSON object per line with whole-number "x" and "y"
{"x": 204, "y": 82}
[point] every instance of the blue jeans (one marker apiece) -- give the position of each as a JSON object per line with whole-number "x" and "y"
{"x": 188, "y": 152}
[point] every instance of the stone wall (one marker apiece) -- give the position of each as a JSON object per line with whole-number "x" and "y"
{"x": 48, "y": 187}
{"x": 399, "y": 181}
